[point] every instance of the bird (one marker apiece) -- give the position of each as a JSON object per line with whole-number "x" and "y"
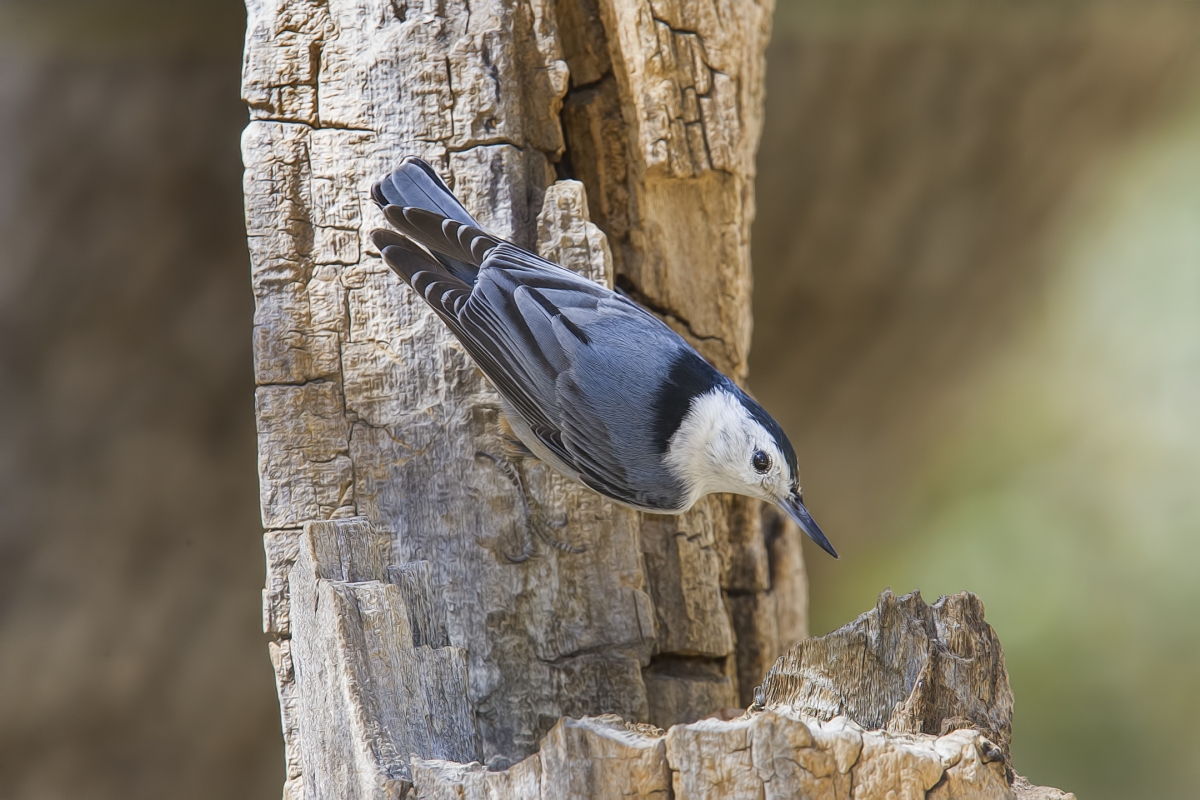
{"x": 591, "y": 383}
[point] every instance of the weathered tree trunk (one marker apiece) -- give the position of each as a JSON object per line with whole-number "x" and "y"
{"x": 908, "y": 702}
{"x": 366, "y": 406}
{"x": 404, "y": 638}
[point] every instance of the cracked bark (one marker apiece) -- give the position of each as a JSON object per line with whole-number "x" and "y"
{"x": 908, "y": 702}
{"x": 367, "y": 407}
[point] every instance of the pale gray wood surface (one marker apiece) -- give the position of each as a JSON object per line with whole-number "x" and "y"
{"x": 370, "y": 689}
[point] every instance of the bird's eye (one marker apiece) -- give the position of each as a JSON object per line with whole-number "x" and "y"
{"x": 760, "y": 461}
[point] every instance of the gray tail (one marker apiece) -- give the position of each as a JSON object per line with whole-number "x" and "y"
{"x": 429, "y": 276}
{"x": 418, "y": 204}
{"x": 414, "y": 184}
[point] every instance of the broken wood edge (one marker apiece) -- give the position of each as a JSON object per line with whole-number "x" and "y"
{"x": 379, "y": 706}
{"x": 769, "y": 753}
{"x": 917, "y": 668}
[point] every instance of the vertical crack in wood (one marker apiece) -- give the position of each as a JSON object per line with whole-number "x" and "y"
{"x": 370, "y": 694}
{"x": 661, "y": 125}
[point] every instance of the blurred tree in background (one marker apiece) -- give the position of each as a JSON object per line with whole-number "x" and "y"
{"x": 977, "y": 311}
{"x": 132, "y": 663}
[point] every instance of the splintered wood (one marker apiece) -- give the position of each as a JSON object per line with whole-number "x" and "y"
{"x": 903, "y": 666}
{"x": 768, "y": 756}
{"x": 379, "y": 704}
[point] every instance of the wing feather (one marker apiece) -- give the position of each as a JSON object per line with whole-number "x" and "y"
{"x": 527, "y": 344}
{"x": 530, "y": 326}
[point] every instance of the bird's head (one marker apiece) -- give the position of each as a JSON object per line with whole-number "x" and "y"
{"x": 728, "y": 443}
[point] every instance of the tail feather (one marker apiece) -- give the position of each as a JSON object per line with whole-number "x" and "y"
{"x": 415, "y": 184}
{"x": 441, "y": 236}
{"x": 416, "y": 201}
{"x": 443, "y": 290}
{"x": 404, "y": 257}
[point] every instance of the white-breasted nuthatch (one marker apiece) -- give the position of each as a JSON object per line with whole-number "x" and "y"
{"x": 593, "y": 385}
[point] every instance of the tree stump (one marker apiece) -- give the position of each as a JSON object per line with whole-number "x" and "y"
{"x": 409, "y": 650}
{"x": 908, "y": 701}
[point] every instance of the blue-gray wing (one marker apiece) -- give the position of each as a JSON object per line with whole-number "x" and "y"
{"x": 577, "y": 361}
{"x": 555, "y": 345}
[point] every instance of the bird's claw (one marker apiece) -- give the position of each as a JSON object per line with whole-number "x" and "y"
{"x": 544, "y": 525}
{"x": 525, "y": 554}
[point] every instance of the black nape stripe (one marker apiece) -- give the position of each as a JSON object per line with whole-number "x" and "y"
{"x": 688, "y": 377}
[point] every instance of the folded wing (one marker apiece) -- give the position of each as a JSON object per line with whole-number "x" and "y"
{"x": 530, "y": 325}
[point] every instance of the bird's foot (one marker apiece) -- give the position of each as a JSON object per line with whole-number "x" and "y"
{"x": 536, "y": 521}
{"x": 542, "y": 525}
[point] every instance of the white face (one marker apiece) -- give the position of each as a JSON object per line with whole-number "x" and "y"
{"x": 719, "y": 447}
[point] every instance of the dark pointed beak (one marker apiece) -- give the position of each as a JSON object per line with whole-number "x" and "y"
{"x": 796, "y": 510}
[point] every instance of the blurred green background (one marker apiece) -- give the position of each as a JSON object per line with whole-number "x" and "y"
{"x": 977, "y": 310}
